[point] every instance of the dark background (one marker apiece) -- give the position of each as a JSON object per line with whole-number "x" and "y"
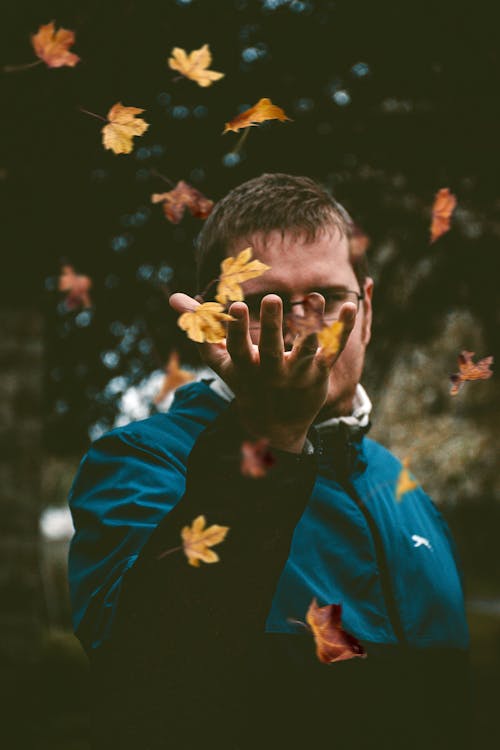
{"x": 390, "y": 102}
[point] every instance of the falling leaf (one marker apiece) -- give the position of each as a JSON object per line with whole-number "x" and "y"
{"x": 52, "y": 46}
{"x": 76, "y": 286}
{"x": 234, "y": 271}
{"x": 256, "y": 458}
{"x": 311, "y": 321}
{"x": 260, "y": 112}
{"x": 468, "y": 370}
{"x": 174, "y": 377}
{"x": 406, "y": 481}
{"x": 359, "y": 242}
{"x": 122, "y": 127}
{"x": 332, "y": 642}
{"x": 194, "y": 66}
{"x": 329, "y": 338}
{"x": 205, "y": 323}
{"x": 444, "y": 205}
{"x": 181, "y": 197}
{"x": 197, "y": 539}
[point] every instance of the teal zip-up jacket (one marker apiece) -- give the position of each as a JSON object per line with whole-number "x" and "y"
{"x": 328, "y": 526}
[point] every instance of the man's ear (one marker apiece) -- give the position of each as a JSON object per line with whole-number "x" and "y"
{"x": 367, "y": 311}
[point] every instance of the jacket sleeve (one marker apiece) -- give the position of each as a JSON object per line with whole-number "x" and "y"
{"x": 234, "y": 594}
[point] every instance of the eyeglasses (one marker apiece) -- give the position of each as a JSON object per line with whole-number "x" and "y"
{"x": 334, "y": 300}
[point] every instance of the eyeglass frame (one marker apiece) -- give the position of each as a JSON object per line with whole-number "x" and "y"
{"x": 360, "y": 296}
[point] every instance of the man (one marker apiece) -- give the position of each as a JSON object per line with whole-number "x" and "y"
{"x": 219, "y": 655}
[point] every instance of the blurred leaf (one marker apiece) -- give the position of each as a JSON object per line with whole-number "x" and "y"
{"x": 468, "y": 370}
{"x": 194, "y": 66}
{"x": 444, "y": 205}
{"x": 52, "y": 46}
{"x": 181, "y": 197}
{"x": 197, "y": 539}
{"x": 260, "y": 112}
{"x": 332, "y": 642}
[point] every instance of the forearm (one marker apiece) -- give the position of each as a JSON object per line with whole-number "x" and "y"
{"x": 261, "y": 515}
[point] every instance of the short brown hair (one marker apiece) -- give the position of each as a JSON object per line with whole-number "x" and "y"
{"x": 282, "y": 202}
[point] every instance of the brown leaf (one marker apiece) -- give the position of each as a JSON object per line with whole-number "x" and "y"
{"x": 76, "y": 286}
{"x": 444, "y": 205}
{"x": 406, "y": 481}
{"x": 122, "y": 126}
{"x": 260, "y": 112}
{"x": 256, "y": 458}
{"x": 332, "y": 642}
{"x": 181, "y": 197}
{"x": 205, "y": 323}
{"x": 234, "y": 271}
{"x": 468, "y": 370}
{"x": 52, "y": 46}
{"x": 359, "y": 242}
{"x": 312, "y": 321}
{"x": 194, "y": 65}
{"x": 174, "y": 377}
{"x": 197, "y": 539}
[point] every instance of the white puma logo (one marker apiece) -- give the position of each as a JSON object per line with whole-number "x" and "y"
{"x": 421, "y": 540}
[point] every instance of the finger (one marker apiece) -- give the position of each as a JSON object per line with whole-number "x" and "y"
{"x": 214, "y": 355}
{"x": 305, "y": 346}
{"x": 347, "y": 317}
{"x": 271, "y": 346}
{"x": 182, "y": 303}
{"x": 238, "y": 342}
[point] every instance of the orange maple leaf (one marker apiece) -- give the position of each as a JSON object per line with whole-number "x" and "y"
{"x": 122, "y": 126}
{"x": 174, "y": 377}
{"x": 256, "y": 458}
{"x": 406, "y": 481}
{"x": 76, "y": 286}
{"x": 52, "y": 46}
{"x": 195, "y": 65}
{"x": 332, "y": 642}
{"x": 260, "y": 112}
{"x": 197, "y": 539}
{"x": 469, "y": 370}
{"x": 205, "y": 323}
{"x": 181, "y": 197}
{"x": 234, "y": 271}
{"x": 444, "y": 205}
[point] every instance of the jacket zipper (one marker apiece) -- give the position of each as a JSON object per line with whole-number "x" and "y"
{"x": 385, "y": 576}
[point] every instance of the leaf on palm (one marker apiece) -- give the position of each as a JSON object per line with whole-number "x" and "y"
{"x": 195, "y": 65}
{"x": 256, "y": 458}
{"x": 52, "y": 46}
{"x": 175, "y": 376}
{"x": 182, "y": 197}
{"x": 122, "y": 127}
{"x": 469, "y": 370}
{"x": 333, "y": 643}
{"x": 260, "y": 112}
{"x": 197, "y": 540}
{"x": 330, "y": 338}
{"x": 406, "y": 481}
{"x": 77, "y": 288}
{"x": 205, "y": 323}
{"x": 444, "y": 205}
{"x": 234, "y": 271}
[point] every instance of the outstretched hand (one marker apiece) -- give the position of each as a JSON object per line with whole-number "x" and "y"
{"x": 278, "y": 393}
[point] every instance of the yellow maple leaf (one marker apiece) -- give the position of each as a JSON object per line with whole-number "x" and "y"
{"x": 51, "y": 46}
{"x": 234, "y": 271}
{"x": 197, "y": 539}
{"x": 406, "y": 481}
{"x": 205, "y": 323}
{"x": 260, "y": 112}
{"x": 329, "y": 338}
{"x": 122, "y": 126}
{"x": 194, "y": 66}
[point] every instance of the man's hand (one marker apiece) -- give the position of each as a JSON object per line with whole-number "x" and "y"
{"x": 278, "y": 394}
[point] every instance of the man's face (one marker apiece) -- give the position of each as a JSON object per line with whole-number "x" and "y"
{"x": 298, "y": 268}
